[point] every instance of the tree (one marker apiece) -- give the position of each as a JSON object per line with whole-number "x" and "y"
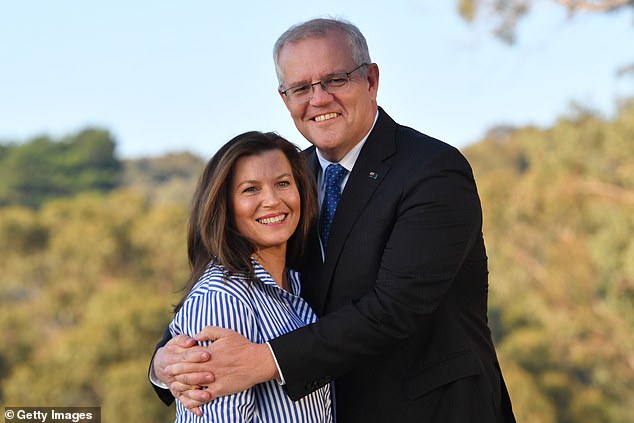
{"x": 89, "y": 161}
{"x": 43, "y": 169}
{"x": 509, "y": 12}
{"x": 558, "y": 206}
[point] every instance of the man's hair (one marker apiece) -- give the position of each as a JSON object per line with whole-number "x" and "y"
{"x": 319, "y": 28}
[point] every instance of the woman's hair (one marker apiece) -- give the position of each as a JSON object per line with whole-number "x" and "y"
{"x": 212, "y": 232}
{"x": 320, "y": 28}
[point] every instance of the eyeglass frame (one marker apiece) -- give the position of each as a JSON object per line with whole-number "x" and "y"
{"x": 324, "y": 85}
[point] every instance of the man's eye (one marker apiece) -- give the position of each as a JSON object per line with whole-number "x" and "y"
{"x": 300, "y": 90}
{"x": 336, "y": 81}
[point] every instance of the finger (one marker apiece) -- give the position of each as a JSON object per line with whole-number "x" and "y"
{"x": 182, "y": 340}
{"x": 189, "y": 403}
{"x": 196, "y": 397}
{"x": 177, "y": 354}
{"x": 190, "y": 396}
{"x": 212, "y": 333}
{"x": 196, "y": 355}
{"x": 194, "y": 378}
{"x": 197, "y": 411}
{"x": 177, "y": 388}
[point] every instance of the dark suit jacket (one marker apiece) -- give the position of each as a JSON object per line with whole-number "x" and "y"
{"x": 402, "y": 292}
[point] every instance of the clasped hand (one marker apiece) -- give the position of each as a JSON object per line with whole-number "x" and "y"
{"x": 197, "y": 375}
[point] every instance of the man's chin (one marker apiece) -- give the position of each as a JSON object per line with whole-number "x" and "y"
{"x": 323, "y": 140}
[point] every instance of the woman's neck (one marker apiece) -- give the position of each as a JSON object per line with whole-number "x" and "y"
{"x": 275, "y": 264}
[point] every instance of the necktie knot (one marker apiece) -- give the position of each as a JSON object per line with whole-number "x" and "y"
{"x": 335, "y": 173}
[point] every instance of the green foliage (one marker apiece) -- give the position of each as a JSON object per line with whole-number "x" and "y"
{"x": 88, "y": 281}
{"x": 82, "y": 311}
{"x": 42, "y": 169}
{"x": 166, "y": 179}
{"x": 559, "y": 218}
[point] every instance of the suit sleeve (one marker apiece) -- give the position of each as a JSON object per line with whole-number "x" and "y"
{"x": 164, "y": 394}
{"x": 437, "y": 221}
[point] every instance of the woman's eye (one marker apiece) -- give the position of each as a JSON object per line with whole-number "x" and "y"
{"x": 283, "y": 184}
{"x": 250, "y": 189}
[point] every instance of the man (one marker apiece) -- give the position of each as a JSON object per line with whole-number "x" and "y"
{"x": 401, "y": 279}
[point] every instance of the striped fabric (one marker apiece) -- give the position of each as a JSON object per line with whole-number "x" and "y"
{"x": 260, "y": 311}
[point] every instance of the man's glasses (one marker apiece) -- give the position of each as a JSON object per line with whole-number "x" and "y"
{"x": 332, "y": 84}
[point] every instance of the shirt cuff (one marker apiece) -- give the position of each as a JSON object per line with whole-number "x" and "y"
{"x": 157, "y": 382}
{"x": 280, "y": 380}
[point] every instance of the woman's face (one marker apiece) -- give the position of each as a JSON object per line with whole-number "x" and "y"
{"x": 265, "y": 199}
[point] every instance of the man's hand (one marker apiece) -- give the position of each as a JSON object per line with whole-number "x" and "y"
{"x": 179, "y": 357}
{"x": 236, "y": 363}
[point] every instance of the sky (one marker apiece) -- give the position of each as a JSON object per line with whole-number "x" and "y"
{"x": 172, "y": 76}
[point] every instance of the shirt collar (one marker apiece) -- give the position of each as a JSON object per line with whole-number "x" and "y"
{"x": 266, "y": 278}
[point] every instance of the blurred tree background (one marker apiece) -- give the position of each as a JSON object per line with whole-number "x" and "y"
{"x": 504, "y": 15}
{"x": 92, "y": 252}
{"x": 93, "y": 256}
{"x": 89, "y": 275}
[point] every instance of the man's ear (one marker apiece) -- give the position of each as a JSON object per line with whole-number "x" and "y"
{"x": 284, "y": 99}
{"x": 372, "y": 77}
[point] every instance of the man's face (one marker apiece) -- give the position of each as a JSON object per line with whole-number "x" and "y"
{"x": 334, "y": 123}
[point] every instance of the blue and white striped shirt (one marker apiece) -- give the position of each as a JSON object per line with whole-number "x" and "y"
{"x": 260, "y": 311}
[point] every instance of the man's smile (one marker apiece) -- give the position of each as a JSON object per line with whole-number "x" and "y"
{"x": 327, "y": 116}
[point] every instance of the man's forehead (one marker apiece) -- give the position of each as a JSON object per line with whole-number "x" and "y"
{"x": 313, "y": 58}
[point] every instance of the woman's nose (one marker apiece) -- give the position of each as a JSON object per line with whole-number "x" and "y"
{"x": 270, "y": 197}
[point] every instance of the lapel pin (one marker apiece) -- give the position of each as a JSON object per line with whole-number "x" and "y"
{"x": 373, "y": 174}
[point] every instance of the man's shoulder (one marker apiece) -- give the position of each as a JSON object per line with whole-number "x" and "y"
{"x": 415, "y": 146}
{"x": 415, "y": 151}
{"x": 409, "y": 138}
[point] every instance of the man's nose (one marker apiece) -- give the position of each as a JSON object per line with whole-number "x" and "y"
{"x": 320, "y": 95}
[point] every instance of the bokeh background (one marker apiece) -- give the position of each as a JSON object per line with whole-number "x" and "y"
{"x": 108, "y": 110}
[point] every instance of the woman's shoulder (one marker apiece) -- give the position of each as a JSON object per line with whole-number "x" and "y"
{"x": 217, "y": 280}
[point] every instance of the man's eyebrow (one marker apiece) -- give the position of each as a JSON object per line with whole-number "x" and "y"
{"x": 299, "y": 83}
{"x": 307, "y": 82}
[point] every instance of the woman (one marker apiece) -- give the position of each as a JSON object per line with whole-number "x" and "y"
{"x": 251, "y": 214}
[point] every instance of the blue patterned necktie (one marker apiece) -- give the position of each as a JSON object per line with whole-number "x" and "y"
{"x": 332, "y": 192}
